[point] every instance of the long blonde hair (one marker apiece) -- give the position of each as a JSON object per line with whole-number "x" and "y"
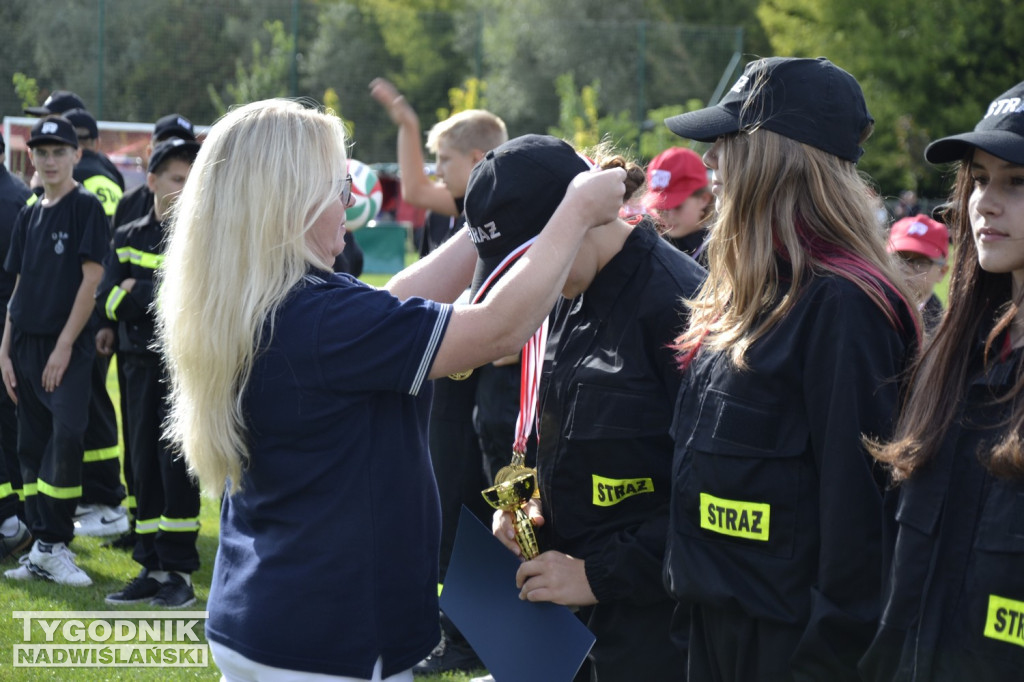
{"x": 236, "y": 247}
{"x": 790, "y": 207}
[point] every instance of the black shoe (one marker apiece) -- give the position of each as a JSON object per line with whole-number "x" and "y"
{"x": 447, "y": 656}
{"x": 176, "y": 593}
{"x": 124, "y": 541}
{"x": 139, "y": 588}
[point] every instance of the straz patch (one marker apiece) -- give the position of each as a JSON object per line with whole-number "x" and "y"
{"x": 748, "y": 520}
{"x": 609, "y": 491}
{"x": 1005, "y": 620}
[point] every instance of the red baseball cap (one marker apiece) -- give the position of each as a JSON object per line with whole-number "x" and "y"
{"x": 920, "y": 234}
{"x": 672, "y": 176}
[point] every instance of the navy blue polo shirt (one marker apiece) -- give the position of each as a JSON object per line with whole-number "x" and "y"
{"x": 328, "y": 556}
{"x": 48, "y": 246}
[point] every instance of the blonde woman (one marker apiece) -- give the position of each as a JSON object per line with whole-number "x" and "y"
{"x": 790, "y": 355}
{"x": 296, "y": 394}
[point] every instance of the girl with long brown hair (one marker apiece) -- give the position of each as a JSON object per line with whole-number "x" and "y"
{"x": 955, "y": 590}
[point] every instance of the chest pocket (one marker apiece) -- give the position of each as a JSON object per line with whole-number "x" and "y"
{"x": 995, "y": 580}
{"x": 602, "y": 412}
{"x": 742, "y": 474}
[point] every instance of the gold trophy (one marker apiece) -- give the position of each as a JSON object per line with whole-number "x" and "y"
{"x": 510, "y": 495}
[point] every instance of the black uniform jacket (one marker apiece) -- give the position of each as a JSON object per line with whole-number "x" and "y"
{"x": 607, "y": 390}
{"x": 777, "y": 510}
{"x": 137, "y": 251}
{"x": 955, "y": 591}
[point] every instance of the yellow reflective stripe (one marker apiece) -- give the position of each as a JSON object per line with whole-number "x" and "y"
{"x": 146, "y": 526}
{"x": 179, "y": 525}
{"x": 32, "y": 198}
{"x": 1005, "y": 621}
{"x": 5, "y": 490}
{"x": 130, "y": 502}
{"x": 21, "y": 494}
{"x": 739, "y": 519}
{"x": 609, "y": 491}
{"x": 58, "y": 492}
{"x": 144, "y": 259}
{"x": 114, "y": 299}
{"x": 29, "y": 489}
{"x": 100, "y": 454}
{"x": 106, "y": 190}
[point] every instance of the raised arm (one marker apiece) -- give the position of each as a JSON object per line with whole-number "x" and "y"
{"x": 417, "y": 188}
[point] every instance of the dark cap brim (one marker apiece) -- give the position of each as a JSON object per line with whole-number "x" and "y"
{"x": 1005, "y": 144}
{"x": 40, "y": 140}
{"x": 37, "y": 111}
{"x": 704, "y": 125}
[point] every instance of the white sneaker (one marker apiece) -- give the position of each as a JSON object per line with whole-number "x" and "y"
{"x": 57, "y": 564}
{"x": 100, "y": 520}
{"x": 22, "y": 572}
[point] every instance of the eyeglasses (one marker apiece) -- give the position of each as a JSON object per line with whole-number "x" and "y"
{"x": 346, "y": 191}
{"x": 58, "y": 153}
{"x": 919, "y": 263}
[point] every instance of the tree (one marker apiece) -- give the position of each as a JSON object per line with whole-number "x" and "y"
{"x": 265, "y": 76}
{"x": 927, "y": 69}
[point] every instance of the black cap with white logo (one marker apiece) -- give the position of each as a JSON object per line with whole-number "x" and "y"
{"x": 808, "y": 100}
{"x": 53, "y": 130}
{"x": 512, "y": 193}
{"x": 1000, "y": 132}
{"x": 58, "y": 102}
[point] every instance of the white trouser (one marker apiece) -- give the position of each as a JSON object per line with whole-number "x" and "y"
{"x": 234, "y": 667}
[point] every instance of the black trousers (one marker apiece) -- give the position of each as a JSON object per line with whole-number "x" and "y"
{"x": 729, "y": 646}
{"x": 51, "y": 429}
{"x": 11, "y": 490}
{"x": 634, "y": 642}
{"x": 126, "y": 456}
{"x": 456, "y": 458}
{"x": 101, "y": 469}
{"x": 166, "y": 497}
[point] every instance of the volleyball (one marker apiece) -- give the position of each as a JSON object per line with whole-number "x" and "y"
{"x": 367, "y": 195}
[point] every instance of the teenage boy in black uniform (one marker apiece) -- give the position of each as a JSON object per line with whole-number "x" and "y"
{"x": 99, "y": 512}
{"x": 56, "y": 250}
{"x": 134, "y": 204}
{"x": 138, "y": 202}
{"x": 96, "y": 172}
{"x": 14, "y": 534}
{"x": 167, "y": 499}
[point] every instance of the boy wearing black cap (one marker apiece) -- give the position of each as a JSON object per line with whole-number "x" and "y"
{"x": 99, "y": 512}
{"x": 138, "y": 201}
{"x": 167, "y": 499}
{"x": 56, "y": 251}
{"x": 95, "y": 171}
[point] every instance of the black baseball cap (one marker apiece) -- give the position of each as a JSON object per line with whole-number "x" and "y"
{"x": 53, "y": 130}
{"x": 512, "y": 193}
{"x": 58, "y": 102}
{"x": 173, "y": 147}
{"x": 85, "y": 124}
{"x": 1000, "y": 132}
{"x": 808, "y": 100}
{"x": 174, "y": 125}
